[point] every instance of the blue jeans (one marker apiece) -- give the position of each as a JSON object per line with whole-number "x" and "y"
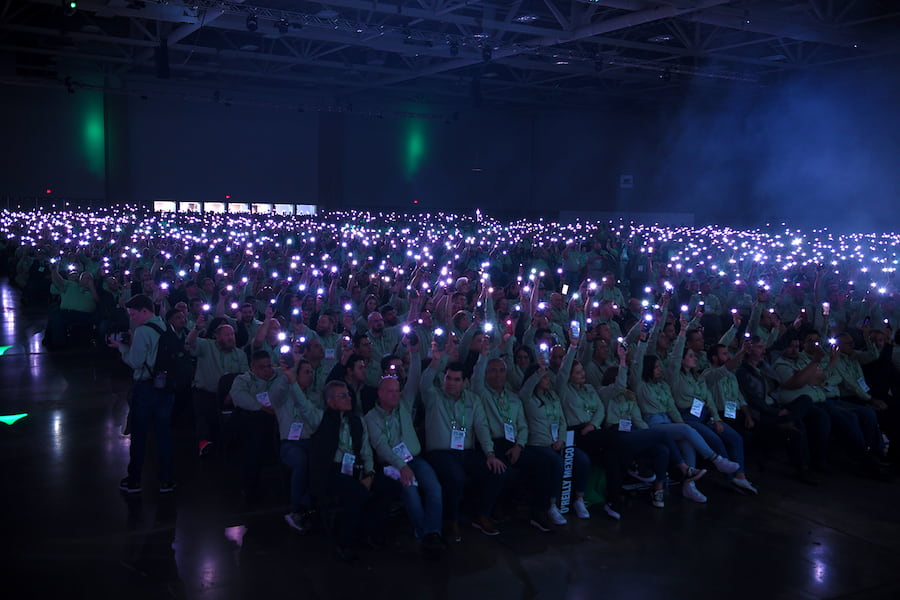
{"x": 452, "y": 466}
{"x": 688, "y": 440}
{"x": 151, "y": 406}
{"x": 846, "y": 424}
{"x": 423, "y": 503}
{"x": 581, "y": 469}
{"x": 868, "y": 424}
{"x": 729, "y": 443}
{"x": 295, "y": 455}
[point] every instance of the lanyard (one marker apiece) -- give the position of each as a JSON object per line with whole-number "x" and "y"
{"x": 451, "y": 410}
{"x": 550, "y": 408}
{"x": 589, "y": 408}
{"x": 502, "y": 406}
{"x": 388, "y": 421}
{"x": 346, "y": 441}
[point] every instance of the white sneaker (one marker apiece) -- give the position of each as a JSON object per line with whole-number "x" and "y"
{"x": 645, "y": 478}
{"x": 580, "y": 509}
{"x": 613, "y": 513}
{"x": 658, "y": 498}
{"x": 744, "y": 485}
{"x": 555, "y": 516}
{"x": 724, "y": 465}
{"x": 689, "y": 490}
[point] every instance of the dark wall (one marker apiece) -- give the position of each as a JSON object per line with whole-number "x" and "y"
{"x": 190, "y": 150}
{"x": 812, "y": 151}
{"x": 52, "y": 140}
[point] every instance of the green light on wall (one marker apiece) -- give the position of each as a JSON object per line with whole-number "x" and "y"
{"x": 414, "y": 147}
{"x": 93, "y": 134}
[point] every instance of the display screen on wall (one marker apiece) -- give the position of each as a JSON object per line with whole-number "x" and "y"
{"x": 238, "y": 207}
{"x": 305, "y": 209}
{"x": 214, "y": 207}
{"x": 164, "y": 206}
{"x": 261, "y": 208}
{"x": 189, "y": 206}
{"x": 284, "y": 209}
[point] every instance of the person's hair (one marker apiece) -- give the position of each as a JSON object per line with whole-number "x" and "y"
{"x": 650, "y": 361}
{"x": 456, "y": 366}
{"x": 300, "y": 363}
{"x": 609, "y": 375}
{"x": 259, "y": 355}
{"x": 386, "y": 308}
{"x": 531, "y": 370}
{"x": 193, "y": 301}
{"x": 527, "y": 350}
{"x": 496, "y": 359}
{"x": 386, "y": 361}
{"x": 354, "y": 358}
{"x": 140, "y": 302}
{"x": 357, "y": 338}
{"x": 246, "y": 305}
{"x": 692, "y": 332}
{"x": 171, "y": 315}
{"x": 333, "y": 385}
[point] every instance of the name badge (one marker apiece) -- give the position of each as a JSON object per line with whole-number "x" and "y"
{"x": 509, "y": 432}
{"x": 40, "y": 269}
{"x": 697, "y": 408}
{"x": 296, "y": 430}
{"x": 862, "y": 384}
{"x": 730, "y": 409}
{"x": 624, "y": 424}
{"x": 347, "y": 464}
{"x": 458, "y": 439}
{"x": 402, "y": 451}
{"x": 329, "y": 353}
{"x": 554, "y": 431}
{"x": 263, "y": 398}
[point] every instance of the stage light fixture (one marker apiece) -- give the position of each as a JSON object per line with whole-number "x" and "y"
{"x": 252, "y": 23}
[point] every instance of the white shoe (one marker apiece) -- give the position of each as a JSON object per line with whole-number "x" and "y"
{"x": 744, "y": 485}
{"x": 613, "y": 513}
{"x": 555, "y": 516}
{"x": 689, "y": 490}
{"x": 658, "y": 498}
{"x": 646, "y": 479}
{"x": 580, "y": 509}
{"x": 724, "y": 465}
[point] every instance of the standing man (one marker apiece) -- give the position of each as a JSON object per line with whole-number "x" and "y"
{"x": 148, "y": 403}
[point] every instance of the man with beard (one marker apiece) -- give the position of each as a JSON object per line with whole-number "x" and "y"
{"x": 215, "y": 358}
{"x": 244, "y": 323}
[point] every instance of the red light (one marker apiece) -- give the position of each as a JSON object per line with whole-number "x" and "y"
{"x": 415, "y": 201}
{"x": 48, "y": 191}
{"x": 228, "y": 196}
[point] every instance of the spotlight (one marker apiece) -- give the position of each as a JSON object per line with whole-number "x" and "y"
{"x": 282, "y": 25}
{"x": 252, "y": 23}
{"x": 69, "y": 7}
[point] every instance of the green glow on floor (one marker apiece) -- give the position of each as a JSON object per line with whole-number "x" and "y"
{"x": 3, "y": 349}
{"x": 10, "y": 419}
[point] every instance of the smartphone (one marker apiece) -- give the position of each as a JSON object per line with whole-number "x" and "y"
{"x": 575, "y": 329}
{"x": 866, "y": 320}
{"x": 287, "y": 357}
{"x": 544, "y": 351}
{"x": 565, "y": 289}
{"x": 440, "y": 338}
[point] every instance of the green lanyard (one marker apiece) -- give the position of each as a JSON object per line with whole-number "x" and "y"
{"x": 550, "y": 408}
{"x": 346, "y": 441}
{"x": 588, "y": 407}
{"x": 502, "y": 406}
{"x": 388, "y": 421}
{"x": 451, "y": 410}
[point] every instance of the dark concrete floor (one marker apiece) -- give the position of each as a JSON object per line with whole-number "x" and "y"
{"x": 69, "y": 532}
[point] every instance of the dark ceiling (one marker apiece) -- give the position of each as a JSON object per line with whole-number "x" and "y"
{"x": 508, "y": 54}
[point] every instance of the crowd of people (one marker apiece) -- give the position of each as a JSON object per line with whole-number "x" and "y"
{"x": 448, "y": 362}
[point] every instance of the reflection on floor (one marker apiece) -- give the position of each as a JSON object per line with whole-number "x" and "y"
{"x": 69, "y": 531}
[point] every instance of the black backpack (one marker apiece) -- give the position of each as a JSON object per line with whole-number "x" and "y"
{"x": 171, "y": 359}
